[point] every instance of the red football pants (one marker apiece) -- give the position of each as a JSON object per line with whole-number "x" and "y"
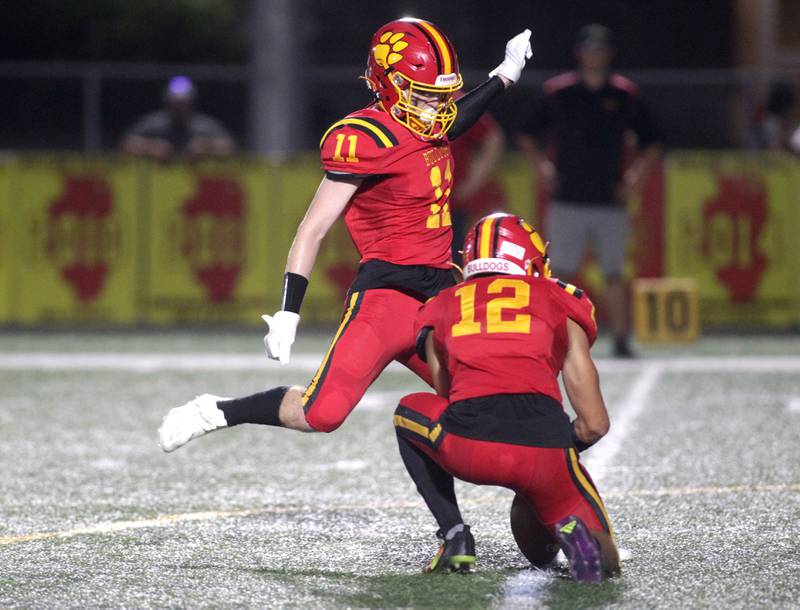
{"x": 552, "y": 480}
{"x": 377, "y": 327}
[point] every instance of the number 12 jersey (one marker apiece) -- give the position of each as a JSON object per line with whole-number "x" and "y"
{"x": 504, "y": 334}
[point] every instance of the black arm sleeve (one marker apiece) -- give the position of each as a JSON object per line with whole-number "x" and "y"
{"x": 474, "y": 104}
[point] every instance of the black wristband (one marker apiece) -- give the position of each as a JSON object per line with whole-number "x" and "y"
{"x": 474, "y": 104}
{"x": 579, "y": 444}
{"x": 294, "y": 289}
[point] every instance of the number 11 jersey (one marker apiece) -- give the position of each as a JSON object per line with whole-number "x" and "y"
{"x": 400, "y": 214}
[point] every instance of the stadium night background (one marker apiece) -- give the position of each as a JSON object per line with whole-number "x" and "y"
{"x": 130, "y": 283}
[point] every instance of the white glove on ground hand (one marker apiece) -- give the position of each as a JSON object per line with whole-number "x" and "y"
{"x": 280, "y": 336}
{"x": 518, "y": 49}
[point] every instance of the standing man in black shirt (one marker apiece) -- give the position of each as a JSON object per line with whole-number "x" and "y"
{"x": 588, "y": 116}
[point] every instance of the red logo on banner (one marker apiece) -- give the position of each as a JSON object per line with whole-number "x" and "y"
{"x": 214, "y": 240}
{"x": 79, "y": 237}
{"x": 733, "y": 223}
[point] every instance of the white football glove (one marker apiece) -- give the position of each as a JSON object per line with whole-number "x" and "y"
{"x": 518, "y": 49}
{"x": 280, "y": 336}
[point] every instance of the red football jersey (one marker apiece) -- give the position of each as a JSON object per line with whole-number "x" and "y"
{"x": 400, "y": 214}
{"x": 505, "y": 334}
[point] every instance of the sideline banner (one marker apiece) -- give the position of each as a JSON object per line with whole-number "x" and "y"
{"x": 8, "y": 244}
{"x": 212, "y": 243}
{"x": 732, "y": 224}
{"x": 120, "y": 241}
{"x": 76, "y": 240}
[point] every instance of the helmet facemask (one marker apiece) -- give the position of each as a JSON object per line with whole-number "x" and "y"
{"x": 427, "y": 110}
{"x": 540, "y": 265}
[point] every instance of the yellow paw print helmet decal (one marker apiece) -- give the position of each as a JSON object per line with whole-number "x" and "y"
{"x": 388, "y": 52}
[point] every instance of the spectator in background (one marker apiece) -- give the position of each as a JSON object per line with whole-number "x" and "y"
{"x": 588, "y": 116}
{"x": 475, "y": 156}
{"x": 779, "y": 120}
{"x": 177, "y": 130}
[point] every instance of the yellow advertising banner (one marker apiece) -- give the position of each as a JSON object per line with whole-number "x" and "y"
{"x": 116, "y": 240}
{"x": 76, "y": 240}
{"x": 214, "y": 243}
{"x": 7, "y": 244}
{"x": 518, "y": 183}
{"x": 732, "y": 220}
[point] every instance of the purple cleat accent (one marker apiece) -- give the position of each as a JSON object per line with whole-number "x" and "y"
{"x": 581, "y": 549}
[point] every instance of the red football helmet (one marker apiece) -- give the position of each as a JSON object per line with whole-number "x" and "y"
{"x": 504, "y": 243}
{"x": 413, "y": 70}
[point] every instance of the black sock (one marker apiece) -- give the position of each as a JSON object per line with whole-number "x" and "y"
{"x": 261, "y": 408}
{"x": 434, "y": 484}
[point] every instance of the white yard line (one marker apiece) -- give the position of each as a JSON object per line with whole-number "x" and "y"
{"x": 150, "y": 362}
{"x": 702, "y": 364}
{"x": 304, "y": 362}
{"x": 793, "y": 405}
{"x": 622, "y": 418}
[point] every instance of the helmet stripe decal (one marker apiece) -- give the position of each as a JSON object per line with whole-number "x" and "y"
{"x": 433, "y": 45}
{"x": 495, "y": 238}
{"x": 486, "y": 238}
{"x": 447, "y": 67}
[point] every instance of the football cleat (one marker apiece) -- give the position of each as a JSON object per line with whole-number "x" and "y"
{"x": 581, "y": 548}
{"x": 196, "y": 418}
{"x": 456, "y": 553}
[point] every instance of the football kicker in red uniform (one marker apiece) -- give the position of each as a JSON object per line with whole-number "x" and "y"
{"x": 389, "y": 172}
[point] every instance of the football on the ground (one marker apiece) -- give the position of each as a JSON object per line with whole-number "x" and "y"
{"x": 534, "y": 539}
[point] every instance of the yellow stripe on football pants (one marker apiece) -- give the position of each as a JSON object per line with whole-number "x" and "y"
{"x": 588, "y": 487}
{"x": 345, "y": 320}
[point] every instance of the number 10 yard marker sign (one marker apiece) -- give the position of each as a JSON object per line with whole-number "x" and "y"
{"x": 666, "y": 310}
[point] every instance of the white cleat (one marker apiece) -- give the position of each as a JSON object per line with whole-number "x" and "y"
{"x": 196, "y": 418}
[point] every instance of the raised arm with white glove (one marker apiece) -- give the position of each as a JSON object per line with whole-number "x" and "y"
{"x": 478, "y": 100}
{"x": 518, "y": 50}
{"x": 329, "y": 201}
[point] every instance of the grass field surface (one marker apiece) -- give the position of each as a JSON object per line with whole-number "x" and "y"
{"x": 700, "y": 473}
